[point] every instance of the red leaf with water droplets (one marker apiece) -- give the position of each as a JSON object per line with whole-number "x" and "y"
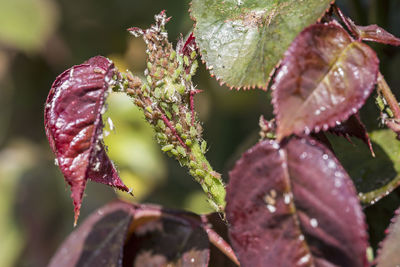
{"x": 294, "y": 206}
{"x": 324, "y": 78}
{"x": 353, "y": 127}
{"x": 74, "y": 126}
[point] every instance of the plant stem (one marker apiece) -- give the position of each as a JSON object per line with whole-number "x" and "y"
{"x": 391, "y": 100}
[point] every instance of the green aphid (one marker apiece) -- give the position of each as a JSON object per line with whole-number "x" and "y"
{"x": 149, "y": 109}
{"x": 167, "y": 148}
{"x": 184, "y": 136}
{"x": 149, "y": 79}
{"x": 161, "y": 124}
{"x": 169, "y": 91}
{"x": 200, "y": 173}
{"x": 181, "y": 151}
{"x": 389, "y": 112}
{"x": 192, "y": 164}
{"x": 188, "y": 119}
{"x": 188, "y": 142}
{"x": 208, "y": 180}
{"x": 186, "y": 60}
{"x": 179, "y": 58}
{"x": 203, "y": 147}
{"x": 125, "y": 84}
{"x": 205, "y": 188}
{"x": 174, "y": 152}
{"x": 157, "y": 93}
{"x": 379, "y": 102}
{"x": 149, "y": 66}
{"x": 181, "y": 89}
{"x": 169, "y": 115}
{"x": 188, "y": 77}
{"x": 164, "y": 105}
{"x": 179, "y": 128}
{"x": 194, "y": 67}
{"x": 145, "y": 87}
{"x": 115, "y": 77}
{"x": 172, "y": 55}
{"x": 193, "y": 131}
{"x": 162, "y": 136}
{"x": 177, "y": 72}
{"x": 175, "y": 108}
{"x": 193, "y": 54}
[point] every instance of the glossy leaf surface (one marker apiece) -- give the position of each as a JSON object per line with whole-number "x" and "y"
{"x": 122, "y": 234}
{"x": 373, "y": 177}
{"x": 324, "y": 78}
{"x": 389, "y": 252}
{"x": 242, "y": 41}
{"x": 99, "y": 240}
{"x": 74, "y": 126}
{"x": 294, "y": 206}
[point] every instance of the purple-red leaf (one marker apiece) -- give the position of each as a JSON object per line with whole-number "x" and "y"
{"x": 324, "y": 78}
{"x": 122, "y": 234}
{"x": 99, "y": 240}
{"x": 74, "y": 126}
{"x": 294, "y": 206}
{"x": 353, "y": 127}
{"x": 388, "y": 254}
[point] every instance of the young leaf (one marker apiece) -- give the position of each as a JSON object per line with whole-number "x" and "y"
{"x": 388, "y": 254}
{"x": 74, "y": 126}
{"x": 353, "y": 127}
{"x": 376, "y": 177}
{"x": 122, "y": 234}
{"x": 324, "y": 78}
{"x": 294, "y": 206}
{"x": 372, "y": 33}
{"x": 242, "y": 41}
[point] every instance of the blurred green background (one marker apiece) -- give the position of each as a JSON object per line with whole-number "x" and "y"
{"x": 41, "y": 38}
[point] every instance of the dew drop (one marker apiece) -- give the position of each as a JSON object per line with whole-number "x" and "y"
{"x": 313, "y": 222}
{"x": 110, "y": 123}
{"x": 307, "y": 130}
{"x": 304, "y": 259}
{"x": 271, "y": 208}
{"x": 303, "y": 155}
{"x": 301, "y": 237}
{"x": 286, "y": 198}
{"x": 317, "y": 112}
{"x": 100, "y": 212}
{"x": 325, "y": 156}
{"x": 56, "y": 162}
{"x": 338, "y": 183}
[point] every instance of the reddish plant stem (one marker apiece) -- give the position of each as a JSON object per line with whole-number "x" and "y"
{"x": 169, "y": 125}
{"x": 391, "y": 100}
{"x": 349, "y": 23}
{"x": 219, "y": 242}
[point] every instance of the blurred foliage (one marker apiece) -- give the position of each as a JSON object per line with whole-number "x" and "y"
{"x": 41, "y": 38}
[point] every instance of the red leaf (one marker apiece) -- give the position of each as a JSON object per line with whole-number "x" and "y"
{"x": 353, "y": 127}
{"x": 294, "y": 206}
{"x": 73, "y": 123}
{"x": 124, "y": 234}
{"x": 324, "y": 78}
{"x": 388, "y": 254}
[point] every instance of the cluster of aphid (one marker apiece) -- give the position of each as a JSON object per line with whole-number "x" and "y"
{"x": 166, "y": 98}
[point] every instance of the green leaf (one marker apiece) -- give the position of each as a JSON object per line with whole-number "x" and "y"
{"x": 242, "y": 41}
{"x": 27, "y": 24}
{"x": 374, "y": 177}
